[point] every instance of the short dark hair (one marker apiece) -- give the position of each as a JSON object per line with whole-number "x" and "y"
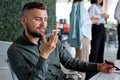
{"x": 77, "y": 1}
{"x": 32, "y": 5}
{"x": 95, "y": 1}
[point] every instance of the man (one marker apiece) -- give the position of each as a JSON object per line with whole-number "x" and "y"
{"x": 34, "y": 57}
{"x": 117, "y": 17}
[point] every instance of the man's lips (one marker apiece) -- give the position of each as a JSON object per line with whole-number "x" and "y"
{"x": 41, "y": 29}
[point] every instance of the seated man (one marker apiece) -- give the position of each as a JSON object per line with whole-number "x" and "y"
{"x": 35, "y": 57}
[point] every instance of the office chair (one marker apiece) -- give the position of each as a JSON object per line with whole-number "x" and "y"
{"x": 11, "y": 70}
{"x": 75, "y": 75}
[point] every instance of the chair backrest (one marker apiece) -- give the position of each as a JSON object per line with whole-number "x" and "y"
{"x": 4, "y": 45}
{"x": 11, "y": 70}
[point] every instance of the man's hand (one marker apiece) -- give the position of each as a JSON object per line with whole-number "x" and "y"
{"x": 48, "y": 47}
{"x": 104, "y": 67}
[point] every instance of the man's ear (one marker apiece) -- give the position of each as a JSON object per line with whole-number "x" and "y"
{"x": 23, "y": 21}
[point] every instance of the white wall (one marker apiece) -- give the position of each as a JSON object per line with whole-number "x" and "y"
{"x": 111, "y": 9}
{"x": 63, "y": 10}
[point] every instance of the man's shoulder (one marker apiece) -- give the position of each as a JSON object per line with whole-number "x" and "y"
{"x": 14, "y": 44}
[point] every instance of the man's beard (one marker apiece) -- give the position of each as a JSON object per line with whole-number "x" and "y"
{"x": 32, "y": 33}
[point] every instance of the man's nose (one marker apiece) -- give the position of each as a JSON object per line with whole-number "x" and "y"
{"x": 42, "y": 22}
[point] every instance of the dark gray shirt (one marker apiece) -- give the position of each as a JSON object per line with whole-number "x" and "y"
{"x": 27, "y": 63}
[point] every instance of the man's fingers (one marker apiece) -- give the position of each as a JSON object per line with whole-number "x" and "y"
{"x": 43, "y": 38}
{"x": 54, "y": 39}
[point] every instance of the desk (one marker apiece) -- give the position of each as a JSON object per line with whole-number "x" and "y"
{"x": 108, "y": 76}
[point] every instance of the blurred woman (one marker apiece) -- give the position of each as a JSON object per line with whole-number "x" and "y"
{"x": 80, "y": 31}
{"x": 98, "y": 32}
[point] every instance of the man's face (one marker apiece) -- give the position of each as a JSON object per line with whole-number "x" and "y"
{"x": 35, "y": 22}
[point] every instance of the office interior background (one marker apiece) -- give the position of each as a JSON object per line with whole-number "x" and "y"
{"x": 63, "y": 8}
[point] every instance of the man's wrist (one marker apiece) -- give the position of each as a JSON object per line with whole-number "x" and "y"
{"x": 98, "y": 67}
{"x": 43, "y": 55}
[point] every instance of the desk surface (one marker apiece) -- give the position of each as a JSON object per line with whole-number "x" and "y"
{"x": 108, "y": 76}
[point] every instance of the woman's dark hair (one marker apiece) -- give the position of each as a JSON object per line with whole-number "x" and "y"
{"x": 77, "y": 1}
{"x": 32, "y": 5}
{"x": 95, "y": 1}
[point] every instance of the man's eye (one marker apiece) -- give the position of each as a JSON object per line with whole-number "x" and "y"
{"x": 37, "y": 18}
{"x": 46, "y": 19}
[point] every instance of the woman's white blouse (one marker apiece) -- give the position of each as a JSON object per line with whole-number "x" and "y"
{"x": 95, "y": 11}
{"x": 86, "y": 24}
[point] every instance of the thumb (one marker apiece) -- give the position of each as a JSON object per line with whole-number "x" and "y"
{"x": 43, "y": 38}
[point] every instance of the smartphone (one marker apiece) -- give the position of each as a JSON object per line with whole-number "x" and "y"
{"x": 50, "y": 33}
{"x": 56, "y": 30}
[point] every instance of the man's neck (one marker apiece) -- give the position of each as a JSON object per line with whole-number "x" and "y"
{"x": 32, "y": 39}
